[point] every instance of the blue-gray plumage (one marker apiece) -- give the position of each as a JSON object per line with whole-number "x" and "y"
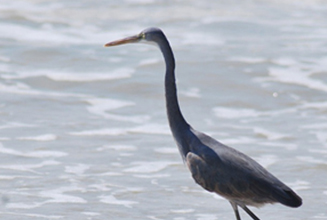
{"x": 214, "y": 166}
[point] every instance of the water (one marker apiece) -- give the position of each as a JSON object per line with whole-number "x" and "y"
{"x": 83, "y": 130}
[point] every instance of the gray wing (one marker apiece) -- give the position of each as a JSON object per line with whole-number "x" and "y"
{"x": 235, "y": 176}
{"x": 229, "y": 183}
{"x": 200, "y": 170}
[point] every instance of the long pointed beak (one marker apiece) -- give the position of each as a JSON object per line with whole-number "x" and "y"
{"x": 132, "y": 39}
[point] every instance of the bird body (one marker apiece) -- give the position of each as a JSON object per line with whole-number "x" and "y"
{"x": 215, "y": 166}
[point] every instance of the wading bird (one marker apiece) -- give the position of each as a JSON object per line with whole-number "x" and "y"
{"x": 215, "y": 166}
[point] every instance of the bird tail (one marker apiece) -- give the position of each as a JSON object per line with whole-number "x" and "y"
{"x": 288, "y": 197}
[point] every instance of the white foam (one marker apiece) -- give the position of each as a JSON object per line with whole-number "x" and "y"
{"x": 58, "y": 195}
{"x": 299, "y": 185}
{"x": 48, "y": 34}
{"x": 316, "y": 105}
{"x": 23, "y": 89}
{"x": 34, "y": 216}
{"x": 238, "y": 140}
{"x": 14, "y": 31}
{"x": 133, "y": 189}
{"x": 20, "y": 205}
{"x": 134, "y": 118}
{"x": 91, "y": 213}
{"x": 30, "y": 167}
{"x": 36, "y": 153}
{"x": 144, "y": 129}
{"x": 250, "y": 60}
{"x": 294, "y": 75}
{"x": 18, "y": 88}
{"x": 153, "y": 177}
{"x": 16, "y": 125}
{"x": 151, "y": 128}
{"x": 224, "y": 112}
{"x": 44, "y": 153}
{"x": 3, "y": 177}
{"x": 291, "y": 71}
{"x": 109, "y": 174}
{"x": 234, "y": 113}
{"x": 167, "y": 150}
{"x": 192, "y": 92}
{"x": 148, "y": 166}
{"x": 78, "y": 169}
{"x": 321, "y": 137}
{"x": 147, "y": 62}
{"x": 100, "y": 105}
{"x": 103, "y": 187}
{"x": 89, "y": 77}
{"x": 118, "y": 148}
{"x": 31, "y": 7}
{"x": 182, "y": 211}
{"x": 110, "y": 199}
{"x": 44, "y": 137}
{"x": 285, "y": 61}
{"x": 266, "y": 160}
{"x": 72, "y": 76}
{"x": 156, "y": 218}
{"x": 101, "y": 132}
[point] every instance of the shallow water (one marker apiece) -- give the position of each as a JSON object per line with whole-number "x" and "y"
{"x": 83, "y": 130}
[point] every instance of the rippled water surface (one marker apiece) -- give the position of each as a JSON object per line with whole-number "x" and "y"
{"x": 83, "y": 128}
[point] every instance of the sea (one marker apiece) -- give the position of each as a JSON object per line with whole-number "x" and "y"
{"x": 84, "y": 131}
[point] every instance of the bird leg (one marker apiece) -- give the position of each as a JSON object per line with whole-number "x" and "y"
{"x": 249, "y": 212}
{"x": 237, "y": 214}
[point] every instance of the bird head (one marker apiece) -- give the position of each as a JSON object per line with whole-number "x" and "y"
{"x": 148, "y": 35}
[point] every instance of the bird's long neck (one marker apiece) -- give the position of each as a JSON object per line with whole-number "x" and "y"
{"x": 177, "y": 123}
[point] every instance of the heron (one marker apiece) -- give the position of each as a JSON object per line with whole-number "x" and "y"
{"x": 214, "y": 166}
